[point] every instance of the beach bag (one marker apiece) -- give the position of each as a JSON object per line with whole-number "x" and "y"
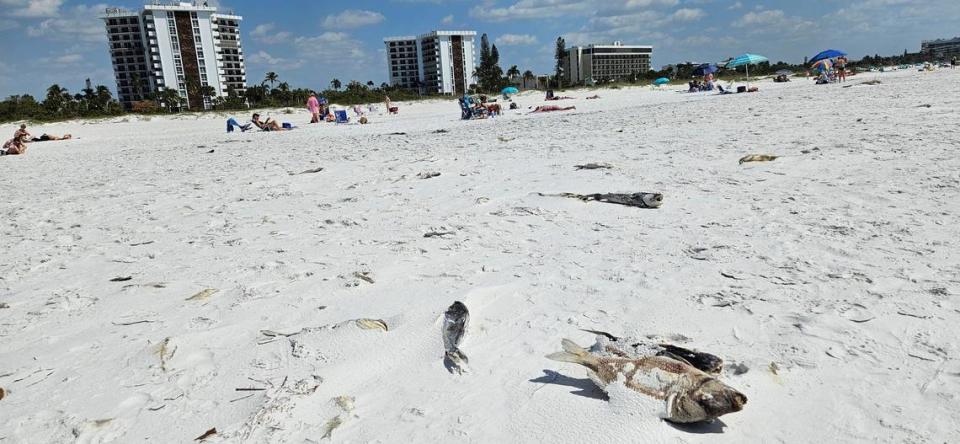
{"x": 287, "y": 125}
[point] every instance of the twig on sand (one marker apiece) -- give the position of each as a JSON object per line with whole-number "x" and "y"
{"x": 249, "y": 389}
{"x": 310, "y": 171}
{"x": 430, "y": 234}
{"x": 206, "y": 434}
{"x": 428, "y": 174}
{"x": 123, "y": 324}
{"x": 122, "y": 279}
{"x": 243, "y": 397}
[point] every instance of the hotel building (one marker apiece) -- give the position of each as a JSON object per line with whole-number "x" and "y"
{"x": 602, "y": 63}
{"x": 440, "y": 62}
{"x": 183, "y": 46}
{"x": 941, "y": 49}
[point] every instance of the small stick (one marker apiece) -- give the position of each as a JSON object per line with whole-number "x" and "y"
{"x": 249, "y": 389}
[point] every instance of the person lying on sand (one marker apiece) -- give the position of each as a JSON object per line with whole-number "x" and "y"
{"x": 593, "y": 97}
{"x": 550, "y": 108}
{"x": 560, "y": 98}
{"x": 266, "y": 125}
{"x": 47, "y": 137}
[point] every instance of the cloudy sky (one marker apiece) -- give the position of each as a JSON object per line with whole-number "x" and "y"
{"x": 310, "y": 42}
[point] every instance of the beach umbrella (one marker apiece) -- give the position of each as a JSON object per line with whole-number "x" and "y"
{"x": 510, "y": 90}
{"x": 746, "y": 60}
{"x": 661, "y": 81}
{"x": 828, "y": 54}
{"x": 823, "y": 65}
{"x": 704, "y": 69}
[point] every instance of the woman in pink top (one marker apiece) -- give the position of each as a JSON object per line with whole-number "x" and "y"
{"x": 313, "y": 105}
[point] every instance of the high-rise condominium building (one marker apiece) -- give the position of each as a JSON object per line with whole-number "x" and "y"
{"x": 184, "y": 46}
{"x": 602, "y": 63}
{"x": 440, "y": 62}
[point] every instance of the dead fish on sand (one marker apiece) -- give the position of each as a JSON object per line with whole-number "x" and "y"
{"x": 757, "y": 158}
{"x": 609, "y": 345}
{"x": 639, "y": 200}
{"x": 593, "y": 166}
{"x": 690, "y": 395}
{"x": 454, "y": 327}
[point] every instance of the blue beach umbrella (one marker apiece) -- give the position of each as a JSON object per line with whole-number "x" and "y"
{"x": 510, "y": 90}
{"x": 828, "y": 54}
{"x": 746, "y": 60}
{"x": 704, "y": 69}
{"x": 661, "y": 81}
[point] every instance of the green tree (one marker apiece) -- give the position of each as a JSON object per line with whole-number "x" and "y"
{"x": 513, "y": 73}
{"x": 335, "y": 84}
{"x": 271, "y": 78}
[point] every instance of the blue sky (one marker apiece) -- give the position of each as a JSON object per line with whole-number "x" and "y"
{"x": 310, "y": 42}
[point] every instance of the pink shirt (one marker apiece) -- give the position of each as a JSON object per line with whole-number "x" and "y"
{"x": 313, "y": 105}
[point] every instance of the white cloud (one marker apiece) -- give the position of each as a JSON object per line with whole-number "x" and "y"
{"x": 687, "y": 15}
{"x": 264, "y": 34}
{"x": 264, "y": 58}
{"x": 68, "y": 59}
{"x": 447, "y": 20}
{"x": 31, "y": 8}
{"x": 80, "y": 23}
{"x": 735, "y": 5}
{"x": 516, "y": 40}
{"x": 353, "y": 18}
{"x": 774, "y": 20}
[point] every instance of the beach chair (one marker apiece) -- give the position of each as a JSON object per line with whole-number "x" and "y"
{"x": 341, "y": 116}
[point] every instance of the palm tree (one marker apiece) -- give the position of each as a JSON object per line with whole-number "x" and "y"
{"x": 171, "y": 98}
{"x": 137, "y": 82}
{"x": 335, "y": 84}
{"x": 272, "y": 78}
{"x": 513, "y": 72}
{"x": 370, "y": 83}
{"x": 207, "y": 92}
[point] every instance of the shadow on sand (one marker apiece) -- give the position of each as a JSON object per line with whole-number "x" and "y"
{"x": 585, "y": 387}
{"x": 700, "y": 428}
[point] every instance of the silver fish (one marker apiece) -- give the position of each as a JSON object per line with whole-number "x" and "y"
{"x": 454, "y": 328}
{"x": 690, "y": 395}
{"x": 609, "y": 345}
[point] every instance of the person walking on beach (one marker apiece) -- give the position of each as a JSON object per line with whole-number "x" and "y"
{"x": 841, "y": 69}
{"x": 313, "y": 105}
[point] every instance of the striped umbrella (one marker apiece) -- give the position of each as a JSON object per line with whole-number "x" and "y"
{"x": 823, "y": 65}
{"x": 746, "y": 60}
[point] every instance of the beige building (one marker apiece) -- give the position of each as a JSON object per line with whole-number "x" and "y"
{"x": 603, "y": 63}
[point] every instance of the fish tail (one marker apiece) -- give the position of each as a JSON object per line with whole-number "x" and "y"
{"x": 575, "y": 354}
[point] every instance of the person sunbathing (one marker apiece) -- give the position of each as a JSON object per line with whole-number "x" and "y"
{"x": 594, "y": 97}
{"x": 551, "y": 108}
{"x": 18, "y": 144}
{"x": 266, "y": 125}
{"x": 47, "y": 137}
{"x": 559, "y": 98}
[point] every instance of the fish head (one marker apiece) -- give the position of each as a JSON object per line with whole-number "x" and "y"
{"x": 652, "y": 200}
{"x": 710, "y": 400}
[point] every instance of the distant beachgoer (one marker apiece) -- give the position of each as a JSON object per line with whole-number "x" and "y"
{"x": 266, "y": 125}
{"x": 47, "y": 137}
{"x": 953, "y": 62}
{"x": 313, "y": 105}
{"x": 18, "y": 144}
{"x": 841, "y": 66}
{"x": 551, "y": 108}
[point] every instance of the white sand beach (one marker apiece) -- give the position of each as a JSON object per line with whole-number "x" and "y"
{"x": 828, "y": 280}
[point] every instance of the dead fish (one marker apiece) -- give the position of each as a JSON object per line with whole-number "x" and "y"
{"x": 454, "y": 328}
{"x": 610, "y": 345}
{"x": 690, "y": 395}
{"x": 593, "y": 166}
{"x": 203, "y": 294}
{"x": 428, "y": 174}
{"x": 757, "y": 158}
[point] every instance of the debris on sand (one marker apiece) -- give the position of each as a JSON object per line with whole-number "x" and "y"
{"x": 364, "y": 276}
{"x": 594, "y": 166}
{"x": 455, "y": 321}
{"x": 206, "y": 434}
{"x": 690, "y": 395}
{"x": 441, "y": 131}
{"x": 867, "y": 83}
{"x": 346, "y": 403}
{"x": 310, "y": 171}
{"x": 757, "y": 158}
{"x": 438, "y": 233}
{"x": 122, "y": 279}
{"x": 639, "y": 200}
{"x": 4, "y": 305}
{"x": 506, "y": 139}
{"x": 428, "y": 174}
{"x": 371, "y": 324}
{"x": 203, "y": 294}
{"x": 3, "y": 393}
{"x": 330, "y": 426}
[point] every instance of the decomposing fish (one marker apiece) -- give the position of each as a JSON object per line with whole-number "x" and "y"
{"x": 690, "y": 395}
{"x": 454, "y": 328}
{"x": 372, "y": 324}
{"x": 428, "y": 174}
{"x": 203, "y": 294}
{"x": 639, "y": 200}
{"x": 757, "y": 158}
{"x": 610, "y": 345}
{"x": 593, "y": 166}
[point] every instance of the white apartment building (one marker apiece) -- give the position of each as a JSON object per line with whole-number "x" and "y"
{"x": 439, "y": 62}
{"x": 183, "y": 46}
{"x": 601, "y": 63}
